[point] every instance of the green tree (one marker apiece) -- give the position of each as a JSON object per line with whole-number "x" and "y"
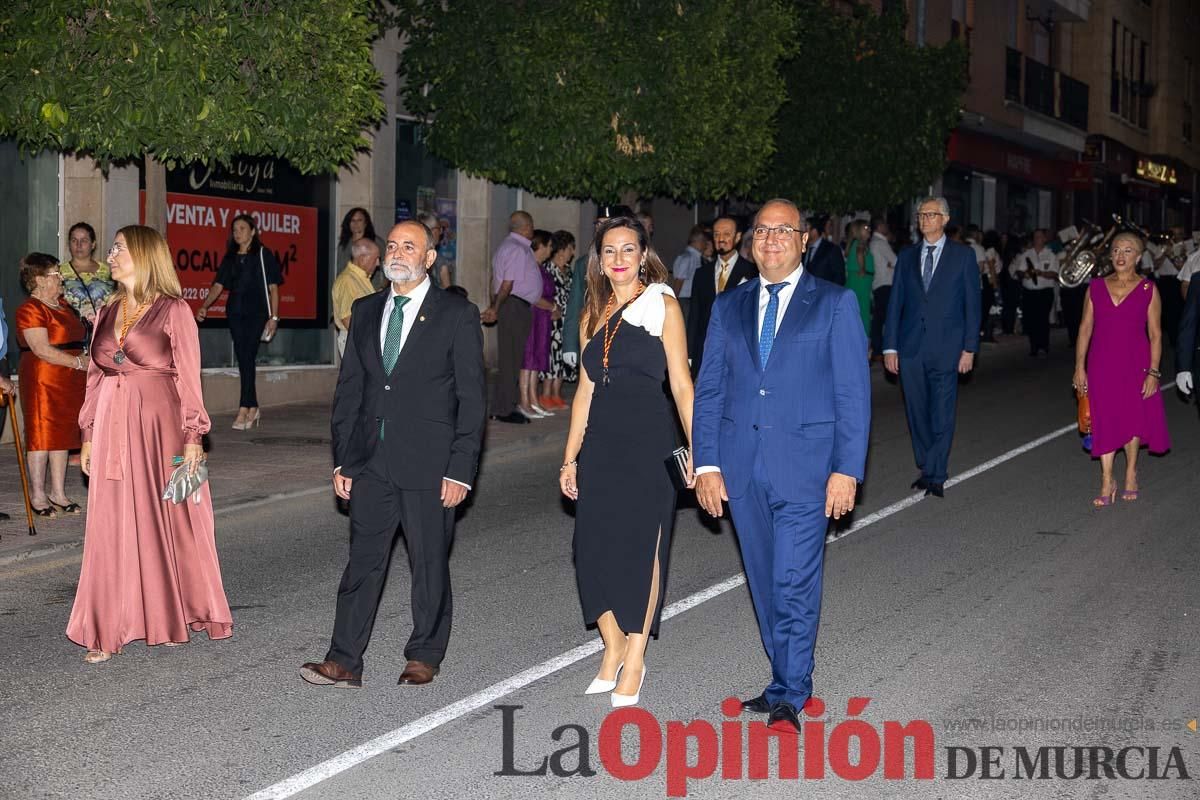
{"x": 869, "y": 113}
{"x": 190, "y": 80}
{"x": 600, "y": 98}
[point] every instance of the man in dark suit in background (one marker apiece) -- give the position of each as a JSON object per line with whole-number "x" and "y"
{"x": 408, "y": 419}
{"x": 1185, "y": 353}
{"x": 931, "y": 336}
{"x": 726, "y": 270}
{"x": 823, "y": 258}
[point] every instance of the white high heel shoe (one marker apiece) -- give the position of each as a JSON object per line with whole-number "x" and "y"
{"x": 624, "y": 700}
{"x": 598, "y": 686}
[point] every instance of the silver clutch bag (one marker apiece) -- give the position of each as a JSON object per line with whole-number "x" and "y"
{"x": 181, "y": 485}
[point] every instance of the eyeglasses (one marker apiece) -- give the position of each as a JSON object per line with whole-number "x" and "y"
{"x": 1124, "y": 251}
{"x": 53, "y": 274}
{"x": 782, "y": 231}
{"x": 930, "y": 214}
{"x": 116, "y": 249}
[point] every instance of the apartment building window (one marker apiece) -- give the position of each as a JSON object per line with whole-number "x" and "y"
{"x": 1114, "y": 93}
{"x": 1014, "y": 20}
{"x": 1187, "y": 100}
{"x": 1130, "y": 87}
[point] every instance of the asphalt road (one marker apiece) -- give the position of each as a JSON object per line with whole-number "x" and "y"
{"x": 1010, "y": 614}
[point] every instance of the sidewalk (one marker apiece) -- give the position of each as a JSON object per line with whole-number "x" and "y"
{"x": 288, "y": 455}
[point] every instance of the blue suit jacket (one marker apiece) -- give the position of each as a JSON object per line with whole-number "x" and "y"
{"x": 807, "y": 415}
{"x": 939, "y": 325}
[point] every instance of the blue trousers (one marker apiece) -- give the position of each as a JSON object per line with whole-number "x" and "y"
{"x": 930, "y": 403}
{"x": 783, "y": 550}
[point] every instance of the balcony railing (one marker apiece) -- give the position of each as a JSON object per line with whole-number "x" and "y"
{"x": 1045, "y": 90}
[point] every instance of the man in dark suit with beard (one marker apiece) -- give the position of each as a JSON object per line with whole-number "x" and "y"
{"x": 408, "y": 420}
{"x": 725, "y": 271}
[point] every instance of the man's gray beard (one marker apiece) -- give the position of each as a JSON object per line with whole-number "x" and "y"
{"x": 400, "y": 273}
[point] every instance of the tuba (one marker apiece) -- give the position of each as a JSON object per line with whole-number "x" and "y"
{"x": 1086, "y": 256}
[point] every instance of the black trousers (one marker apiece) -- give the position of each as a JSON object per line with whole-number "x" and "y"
{"x": 1072, "y": 309}
{"x": 1010, "y": 300}
{"x": 377, "y": 508}
{"x": 879, "y": 307}
{"x": 987, "y": 297}
{"x": 513, "y": 321}
{"x": 245, "y": 331}
{"x": 1172, "y": 306}
{"x": 1036, "y": 306}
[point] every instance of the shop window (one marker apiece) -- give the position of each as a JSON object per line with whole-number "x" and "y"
{"x": 426, "y": 183}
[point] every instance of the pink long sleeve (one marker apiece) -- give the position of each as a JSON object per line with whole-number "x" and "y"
{"x": 91, "y": 398}
{"x": 185, "y": 351}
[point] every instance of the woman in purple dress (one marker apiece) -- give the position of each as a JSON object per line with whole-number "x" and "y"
{"x": 537, "y": 346}
{"x": 1116, "y": 365}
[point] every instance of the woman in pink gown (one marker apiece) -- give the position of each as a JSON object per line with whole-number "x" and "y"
{"x": 1116, "y": 364}
{"x": 150, "y": 567}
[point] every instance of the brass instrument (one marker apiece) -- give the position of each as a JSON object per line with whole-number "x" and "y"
{"x": 1086, "y": 256}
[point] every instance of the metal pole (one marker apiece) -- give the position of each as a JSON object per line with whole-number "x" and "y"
{"x": 12, "y": 416}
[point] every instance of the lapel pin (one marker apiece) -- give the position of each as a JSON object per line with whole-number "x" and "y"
{"x": 420, "y": 319}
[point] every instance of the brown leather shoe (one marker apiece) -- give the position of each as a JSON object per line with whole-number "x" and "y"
{"x": 330, "y": 673}
{"x": 417, "y": 673}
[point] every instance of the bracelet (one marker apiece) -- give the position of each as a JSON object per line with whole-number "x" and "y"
{"x": 568, "y": 464}
{"x": 1153, "y": 373}
{"x": 78, "y": 363}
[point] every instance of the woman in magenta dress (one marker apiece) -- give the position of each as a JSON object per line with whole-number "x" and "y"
{"x": 1116, "y": 364}
{"x": 150, "y": 567}
{"x": 537, "y": 345}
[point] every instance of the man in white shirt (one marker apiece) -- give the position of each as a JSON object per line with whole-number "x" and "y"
{"x": 1038, "y": 269}
{"x": 1171, "y": 257}
{"x": 881, "y": 287}
{"x": 685, "y": 266}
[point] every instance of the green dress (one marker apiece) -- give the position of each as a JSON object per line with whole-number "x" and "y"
{"x": 860, "y": 284}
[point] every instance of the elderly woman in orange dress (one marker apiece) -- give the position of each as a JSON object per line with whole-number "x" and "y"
{"x": 51, "y": 338}
{"x": 150, "y": 568}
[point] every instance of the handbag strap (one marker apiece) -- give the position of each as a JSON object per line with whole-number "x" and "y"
{"x": 266, "y": 289}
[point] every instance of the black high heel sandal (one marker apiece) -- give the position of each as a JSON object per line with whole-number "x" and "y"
{"x": 47, "y": 512}
{"x": 69, "y": 508}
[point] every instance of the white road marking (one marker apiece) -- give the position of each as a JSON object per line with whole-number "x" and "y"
{"x": 406, "y": 733}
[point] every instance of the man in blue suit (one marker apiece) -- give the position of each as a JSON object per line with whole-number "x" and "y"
{"x": 932, "y": 331}
{"x": 782, "y": 413}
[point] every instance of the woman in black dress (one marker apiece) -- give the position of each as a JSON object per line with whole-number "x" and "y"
{"x": 252, "y": 275}
{"x": 632, "y": 335}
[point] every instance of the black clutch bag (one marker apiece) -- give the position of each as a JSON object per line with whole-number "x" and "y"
{"x": 677, "y": 468}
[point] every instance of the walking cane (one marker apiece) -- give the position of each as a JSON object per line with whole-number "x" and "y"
{"x": 12, "y": 417}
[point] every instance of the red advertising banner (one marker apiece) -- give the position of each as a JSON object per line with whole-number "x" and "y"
{"x": 197, "y": 233}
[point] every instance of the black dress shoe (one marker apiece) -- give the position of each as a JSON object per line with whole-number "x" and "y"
{"x": 758, "y": 705}
{"x": 935, "y": 489}
{"x": 920, "y": 483}
{"x": 783, "y": 715}
{"x": 513, "y": 417}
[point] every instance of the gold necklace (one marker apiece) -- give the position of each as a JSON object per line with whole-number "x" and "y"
{"x": 127, "y": 322}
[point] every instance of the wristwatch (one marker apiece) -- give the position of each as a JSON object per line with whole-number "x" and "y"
{"x": 276, "y": 319}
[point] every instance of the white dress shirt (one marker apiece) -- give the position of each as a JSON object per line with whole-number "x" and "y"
{"x": 1190, "y": 267}
{"x": 764, "y": 297}
{"x": 1043, "y": 261}
{"x": 724, "y": 268}
{"x": 885, "y": 261}
{"x": 412, "y": 309}
{"x": 684, "y": 269}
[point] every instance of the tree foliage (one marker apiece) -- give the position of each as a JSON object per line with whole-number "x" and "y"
{"x": 595, "y": 98}
{"x": 870, "y": 112}
{"x": 191, "y": 80}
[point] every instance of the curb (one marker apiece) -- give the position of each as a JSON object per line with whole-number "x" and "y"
{"x": 40, "y": 550}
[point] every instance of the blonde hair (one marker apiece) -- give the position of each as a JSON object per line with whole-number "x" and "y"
{"x": 153, "y": 269}
{"x": 1130, "y": 236}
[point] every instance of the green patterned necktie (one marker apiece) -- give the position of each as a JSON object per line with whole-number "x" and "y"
{"x": 391, "y": 342}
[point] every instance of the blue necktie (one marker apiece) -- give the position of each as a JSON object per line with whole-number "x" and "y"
{"x": 767, "y": 337}
{"x": 927, "y": 271}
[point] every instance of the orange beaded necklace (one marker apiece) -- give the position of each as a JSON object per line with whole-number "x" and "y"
{"x": 127, "y": 322}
